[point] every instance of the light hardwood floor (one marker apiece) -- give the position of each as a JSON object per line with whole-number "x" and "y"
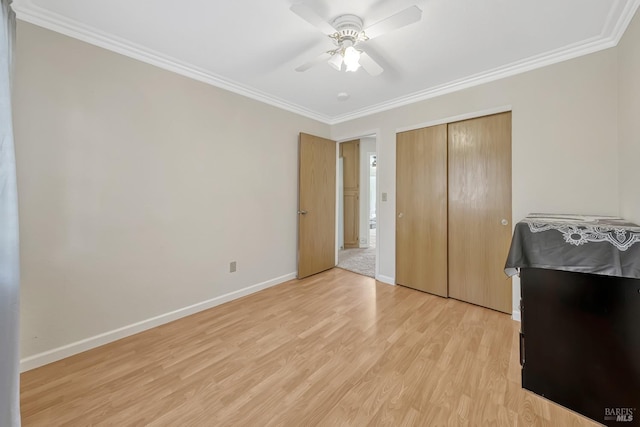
{"x": 334, "y": 349}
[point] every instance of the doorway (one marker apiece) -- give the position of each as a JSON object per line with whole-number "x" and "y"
{"x": 357, "y": 217}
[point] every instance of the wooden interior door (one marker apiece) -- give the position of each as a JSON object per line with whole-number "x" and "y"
{"x": 350, "y": 153}
{"x": 480, "y": 210}
{"x": 421, "y": 209}
{"x": 316, "y": 205}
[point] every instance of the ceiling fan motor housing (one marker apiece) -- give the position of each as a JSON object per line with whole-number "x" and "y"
{"x": 348, "y": 28}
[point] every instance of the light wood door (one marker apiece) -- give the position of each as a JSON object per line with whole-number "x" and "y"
{"x": 421, "y": 209}
{"x": 350, "y": 153}
{"x": 316, "y": 205}
{"x": 480, "y": 210}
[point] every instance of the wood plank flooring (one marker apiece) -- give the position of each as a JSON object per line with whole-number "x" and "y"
{"x": 335, "y": 349}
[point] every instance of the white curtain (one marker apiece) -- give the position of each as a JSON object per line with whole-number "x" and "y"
{"x": 9, "y": 261}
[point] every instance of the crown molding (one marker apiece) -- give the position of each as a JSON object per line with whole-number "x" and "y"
{"x": 27, "y": 11}
{"x": 610, "y": 36}
{"x": 614, "y": 30}
{"x": 509, "y": 70}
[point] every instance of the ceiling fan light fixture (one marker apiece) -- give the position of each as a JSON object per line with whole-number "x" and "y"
{"x": 353, "y": 67}
{"x": 352, "y": 58}
{"x": 346, "y": 31}
{"x": 336, "y": 61}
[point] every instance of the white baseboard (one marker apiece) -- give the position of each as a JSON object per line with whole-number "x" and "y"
{"x": 59, "y": 353}
{"x": 516, "y": 315}
{"x": 385, "y": 279}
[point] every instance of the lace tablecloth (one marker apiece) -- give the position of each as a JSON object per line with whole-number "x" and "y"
{"x": 585, "y": 244}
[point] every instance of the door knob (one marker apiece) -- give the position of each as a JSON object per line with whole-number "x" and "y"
{"x": 400, "y": 215}
{"x": 504, "y": 222}
{"x": 302, "y": 212}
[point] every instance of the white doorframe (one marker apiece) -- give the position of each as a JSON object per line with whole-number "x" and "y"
{"x": 372, "y": 134}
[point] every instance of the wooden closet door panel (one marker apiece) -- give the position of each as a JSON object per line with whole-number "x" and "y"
{"x": 479, "y": 204}
{"x": 350, "y": 153}
{"x": 351, "y": 223}
{"x": 421, "y": 209}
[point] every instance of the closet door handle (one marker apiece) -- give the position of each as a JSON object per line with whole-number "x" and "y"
{"x": 400, "y": 215}
{"x": 504, "y": 222}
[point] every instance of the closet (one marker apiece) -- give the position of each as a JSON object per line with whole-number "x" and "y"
{"x": 453, "y": 206}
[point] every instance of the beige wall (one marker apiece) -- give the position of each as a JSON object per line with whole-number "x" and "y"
{"x": 565, "y": 156}
{"x": 629, "y": 120}
{"x": 138, "y": 187}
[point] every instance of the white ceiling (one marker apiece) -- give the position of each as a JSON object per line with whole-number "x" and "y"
{"x": 253, "y": 46}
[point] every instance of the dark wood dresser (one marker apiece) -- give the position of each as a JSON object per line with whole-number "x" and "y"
{"x": 580, "y": 331}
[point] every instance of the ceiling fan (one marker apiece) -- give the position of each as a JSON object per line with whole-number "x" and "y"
{"x": 349, "y": 37}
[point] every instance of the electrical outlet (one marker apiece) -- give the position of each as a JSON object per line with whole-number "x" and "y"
{"x": 232, "y": 267}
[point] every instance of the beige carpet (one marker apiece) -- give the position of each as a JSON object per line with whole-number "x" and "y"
{"x": 361, "y": 261}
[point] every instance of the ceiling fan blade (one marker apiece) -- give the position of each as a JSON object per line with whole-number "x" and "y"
{"x": 403, "y": 18}
{"x": 310, "y": 15}
{"x": 369, "y": 65}
{"x": 304, "y": 67}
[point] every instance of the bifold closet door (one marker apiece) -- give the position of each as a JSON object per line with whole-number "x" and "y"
{"x": 421, "y": 209}
{"x": 480, "y": 210}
